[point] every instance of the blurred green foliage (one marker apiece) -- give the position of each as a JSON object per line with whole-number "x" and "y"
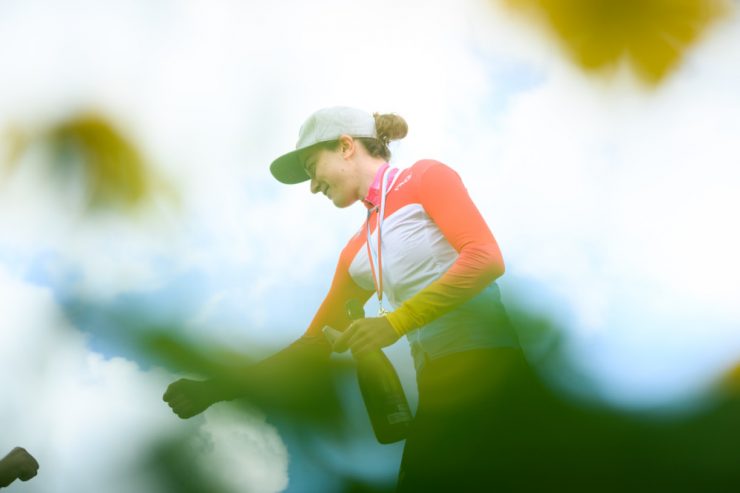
{"x": 548, "y": 441}
{"x": 173, "y": 462}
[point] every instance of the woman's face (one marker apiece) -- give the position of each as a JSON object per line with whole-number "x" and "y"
{"x": 332, "y": 175}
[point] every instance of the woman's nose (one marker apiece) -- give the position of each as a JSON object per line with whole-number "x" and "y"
{"x": 314, "y": 185}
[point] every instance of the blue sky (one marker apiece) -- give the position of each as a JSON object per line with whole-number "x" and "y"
{"x": 614, "y": 203}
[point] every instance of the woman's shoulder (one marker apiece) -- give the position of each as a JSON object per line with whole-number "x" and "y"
{"x": 429, "y": 170}
{"x": 423, "y": 165}
{"x": 424, "y": 174}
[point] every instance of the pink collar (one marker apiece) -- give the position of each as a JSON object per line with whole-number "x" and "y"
{"x": 373, "y": 195}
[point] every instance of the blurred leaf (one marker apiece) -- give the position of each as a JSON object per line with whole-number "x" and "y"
{"x": 653, "y": 35}
{"x": 174, "y": 462}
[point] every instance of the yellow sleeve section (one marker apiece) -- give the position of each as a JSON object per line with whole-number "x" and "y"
{"x": 451, "y": 290}
{"x": 395, "y": 323}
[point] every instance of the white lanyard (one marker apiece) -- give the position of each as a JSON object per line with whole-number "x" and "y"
{"x": 376, "y": 256}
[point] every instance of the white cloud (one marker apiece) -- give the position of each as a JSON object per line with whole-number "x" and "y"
{"x": 90, "y": 421}
{"x": 245, "y": 451}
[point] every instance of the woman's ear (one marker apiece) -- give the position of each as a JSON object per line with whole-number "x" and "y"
{"x": 346, "y": 146}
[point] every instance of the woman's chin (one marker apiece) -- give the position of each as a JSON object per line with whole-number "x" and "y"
{"x": 341, "y": 202}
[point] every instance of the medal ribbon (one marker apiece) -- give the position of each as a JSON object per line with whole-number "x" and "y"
{"x": 375, "y": 255}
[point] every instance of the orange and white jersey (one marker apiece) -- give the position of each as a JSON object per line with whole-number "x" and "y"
{"x": 439, "y": 263}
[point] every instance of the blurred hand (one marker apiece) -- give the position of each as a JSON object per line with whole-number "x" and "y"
{"x": 18, "y": 464}
{"x": 366, "y": 334}
{"x": 189, "y": 397}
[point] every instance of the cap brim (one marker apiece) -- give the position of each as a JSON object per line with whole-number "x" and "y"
{"x": 288, "y": 169}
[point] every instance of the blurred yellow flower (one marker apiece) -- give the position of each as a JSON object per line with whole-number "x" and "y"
{"x": 652, "y": 35}
{"x": 88, "y": 148}
{"x": 730, "y": 381}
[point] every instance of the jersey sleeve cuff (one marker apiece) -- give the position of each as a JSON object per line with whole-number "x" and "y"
{"x": 396, "y": 321}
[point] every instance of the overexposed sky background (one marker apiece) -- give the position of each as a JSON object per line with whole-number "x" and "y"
{"x": 614, "y": 203}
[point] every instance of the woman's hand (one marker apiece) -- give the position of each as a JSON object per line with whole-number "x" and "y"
{"x": 366, "y": 334}
{"x": 189, "y": 397}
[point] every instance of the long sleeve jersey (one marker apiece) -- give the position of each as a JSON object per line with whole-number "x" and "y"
{"x": 439, "y": 263}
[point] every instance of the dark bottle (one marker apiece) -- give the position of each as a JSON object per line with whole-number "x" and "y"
{"x": 381, "y": 390}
